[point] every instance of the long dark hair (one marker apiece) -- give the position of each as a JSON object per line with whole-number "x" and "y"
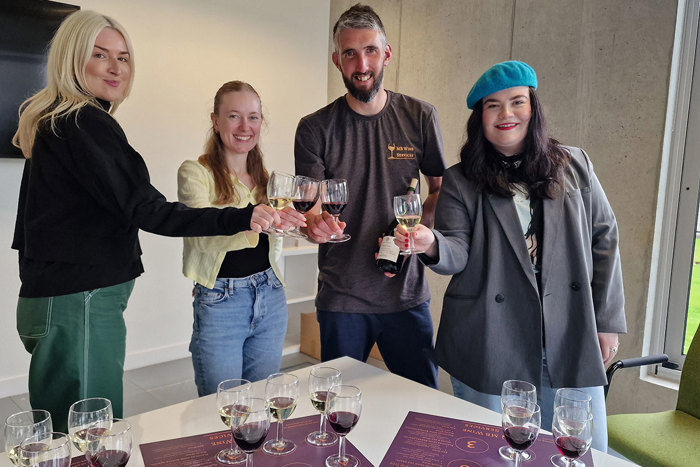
{"x": 543, "y": 162}
{"x": 213, "y": 156}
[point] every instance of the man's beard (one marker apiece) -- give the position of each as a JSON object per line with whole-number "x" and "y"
{"x": 364, "y": 96}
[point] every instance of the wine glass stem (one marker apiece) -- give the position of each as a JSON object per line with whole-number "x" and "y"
{"x": 322, "y": 427}
{"x": 518, "y": 458}
{"x": 411, "y": 248}
{"x": 249, "y": 459}
{"x": 280, "y": 431}
{"x": 234, "y": 448}
{"x": 341, "y": 449}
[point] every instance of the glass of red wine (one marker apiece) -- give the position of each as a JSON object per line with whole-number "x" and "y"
{"x": 572, "y": 429}
{"x": 108, "y": 443}
{"x": 321, "y": 379}
{"x": 306, "y": 193}
{"x": 521, "y": 424}
{"x": 343, "y": 409}
{"x": 45, "y": 449}
{"x": 250, "y": 423}
{"x": 334, "y": 198}
{"x": 516, "y": 389}
{"x": 227, "y": 393}
{"x": 281, "y": 393}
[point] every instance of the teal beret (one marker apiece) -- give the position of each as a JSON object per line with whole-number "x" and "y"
{"x": 502, "y": 76}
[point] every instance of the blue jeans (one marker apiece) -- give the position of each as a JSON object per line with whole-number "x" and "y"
{"x": 545, "y": 399}
{"x": 238, "y": 330}
{"x": 404, "y": 338}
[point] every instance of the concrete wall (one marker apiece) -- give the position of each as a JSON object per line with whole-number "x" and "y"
{"x": 603, "y": 69}
{"x": 184, "y": 50}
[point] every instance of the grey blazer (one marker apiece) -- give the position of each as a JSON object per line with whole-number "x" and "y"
{"x": 494, "y": 325}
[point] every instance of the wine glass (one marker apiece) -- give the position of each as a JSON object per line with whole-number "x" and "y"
{"x": 281, "y": 393}
{"x": 227, "y": 394}
{"x": 343, "y": 409}
{"x": 250, "y": 424}
{"x": 108, "y": 443}
{"x": 321, "y": 379}
{"x": 572, "y": 429}
{"x": 306, "y": 194}
{"x": 334, "y": 198}
{"x": 84, "y": 413}
{"x": 516, "y": 389}
{"x": 22, "y": 425}
{"x": 45, "y": 449}
{"x": 521, "y": 424}
{"x": 408, "y": 210}
{"x": 280, "y": 193}
{"x": 570, "y": 397}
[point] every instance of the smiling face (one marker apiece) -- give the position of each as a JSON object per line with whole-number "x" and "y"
{"x": 108, "y": 71}
{"x": 505, "y": 119}
{"x": 361, "y": 58}
{"x": 238, "y": 121}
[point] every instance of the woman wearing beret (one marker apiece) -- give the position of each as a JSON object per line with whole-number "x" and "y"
{"x": 527, "y": 232}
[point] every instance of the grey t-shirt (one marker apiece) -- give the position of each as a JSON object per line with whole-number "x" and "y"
{"x": 378, "y": 155}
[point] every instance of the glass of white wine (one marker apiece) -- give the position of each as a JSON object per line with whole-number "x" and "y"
{"x": 321, "y": 379}
{"x": 229, "y": 393}
{"x": 22, "y": 425}
{"x": 281, "y": 393}
{"x": 408, "y": 210}
{"x": 280, "y": 193}
{"x": 84, "y": 413}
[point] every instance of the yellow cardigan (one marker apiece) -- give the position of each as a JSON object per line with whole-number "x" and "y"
{"x": 202, "y": 256}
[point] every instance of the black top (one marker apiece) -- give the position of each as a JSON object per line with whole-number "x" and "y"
{"x": 84, "y": 195}
{"x": 247, "y": 261}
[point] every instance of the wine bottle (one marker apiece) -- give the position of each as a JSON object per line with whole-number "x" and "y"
{"x": 389, "y": 257}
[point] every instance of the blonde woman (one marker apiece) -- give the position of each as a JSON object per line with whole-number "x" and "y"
{"x": 240, "y": 311}
{"x": 85, "y": 193}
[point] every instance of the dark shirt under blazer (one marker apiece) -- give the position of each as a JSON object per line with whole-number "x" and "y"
{"x": 491, "y": 328}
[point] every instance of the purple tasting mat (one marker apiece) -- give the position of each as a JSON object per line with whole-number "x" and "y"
{"x": 431, "y": 441}
{"x": 200, "y": 450}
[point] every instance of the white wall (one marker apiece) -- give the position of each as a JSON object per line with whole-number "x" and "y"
{"x": 184, "y": 50}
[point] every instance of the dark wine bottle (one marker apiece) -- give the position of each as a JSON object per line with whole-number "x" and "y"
{"x": 389, "y": 257}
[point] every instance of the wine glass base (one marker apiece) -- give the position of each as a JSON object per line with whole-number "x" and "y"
{"x": 279, "y": 447}
{"x": 230, "y": 456}
{"x": 294, "y": 233}
{"x": 322, "y": 439}
{"x": 337, "y": 461}
{"x": 507, "y": 452}
{"x": 561, "y": 461}
{"x": 339, "y": 238}
{"x": 411, "y": 252}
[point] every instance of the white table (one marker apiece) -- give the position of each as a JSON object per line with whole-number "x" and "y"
{"x": 386, "y": 398}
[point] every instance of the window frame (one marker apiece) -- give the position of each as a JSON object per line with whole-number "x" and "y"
{"x": 669, "y": 279}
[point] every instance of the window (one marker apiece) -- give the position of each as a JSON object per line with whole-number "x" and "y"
{"x": 674, "y": 290}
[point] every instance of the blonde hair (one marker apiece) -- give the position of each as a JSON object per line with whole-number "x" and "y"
{"x": 66, "y": 89}
{"x": 213, "y": 156}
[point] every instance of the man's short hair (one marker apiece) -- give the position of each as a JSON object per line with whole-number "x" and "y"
{"x": 358, "y": 16}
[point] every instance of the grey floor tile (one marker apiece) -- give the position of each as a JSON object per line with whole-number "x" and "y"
{"x": 141, "y": 402}
{"x": 164, "y": 374}
{"x": 176, "y": 393}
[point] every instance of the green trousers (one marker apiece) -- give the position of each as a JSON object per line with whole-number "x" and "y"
{"x": 78, "y": 343}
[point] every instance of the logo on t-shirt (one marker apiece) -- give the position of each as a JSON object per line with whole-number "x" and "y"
{"x": 401, "y": 152}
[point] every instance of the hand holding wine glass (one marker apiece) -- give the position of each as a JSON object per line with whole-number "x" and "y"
{"x": 280, "y": 193}
{"x": 321, "y": 379}
{"x": 515, "y": 389}
{"x": 521, "y": 424}
{"x": 408, "y": 210}
{"x": 343, "y": 409}
{"x": 45, "y": 449}
{"x": 228, "y": 393}
{"x": 84, "y": 413}
{"x": 22, "y": 425}
{"x": 250, "y": 422}
{"x": 108, "y": 443}
{"x": 334, "y": 198}
{"x": 281, "y": 393}
{"x": 572, "y": 429}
